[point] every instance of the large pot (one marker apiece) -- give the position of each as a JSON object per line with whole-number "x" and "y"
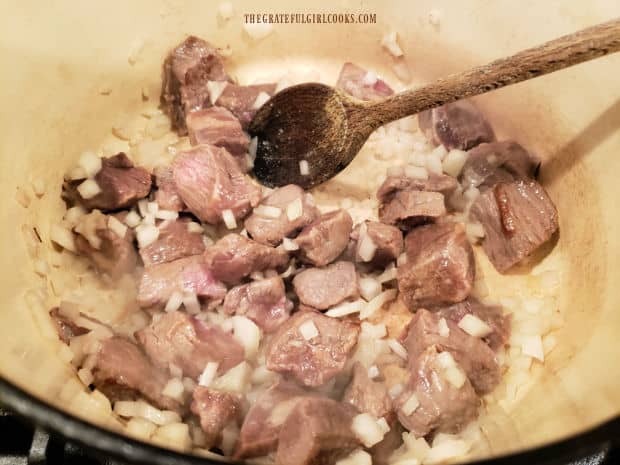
{"x": 60, "y": 59}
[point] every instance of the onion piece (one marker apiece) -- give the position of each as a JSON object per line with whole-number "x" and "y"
{"x": 346, "y": 308}
{"x": 247, "y": 333}
{"x": 390, "y": 274}
{"x": 174, "y": 389}
{"x": 194, "y": 228}
{"x": 168, "y": 215}
{"x": 377, "y": 331}
{"x": 308, "y": 330}
{"x": 532, "y": 346}
{"x": 357, "y": 457}
{"x": 268, "y": 211}
{"x": 132, "y": 219}
{"x": 390, "y": 43}
{"x": 369, "y": 287}
{"x": 117, "y": 227}
{"x": 190, "y": 302}
{"x": 174, "y": 302}
{"x": 416, "y": 172}
{"x": 63, "y": 237}
{"x": 261, "y": 99}
{"x": 366, "y": 429}
{"x": 229, "y": 219}
{"x": 294, "y": 210}
{"x": 373, "y": 372}
{"x": 146, "y": 234}
{"x": 396, "y": 390}
{"x": 208, "y": 374}
{"x": 89, "y": 189}
{"x": 90, "y": 163}
{"x": 289, "y": 245}
{"x": 376, "y": 303}
{"x": 474, "y": 326}
{"x": 453, "y": 162}
{"x": 237, "y": 379}
{"x": 366, "y": 247}
{"x": 410, "y": 405}
{"x": 215, "y": 89}
{"x": 452, "y": 372}
{"x": 304, "y": 167}
{"x": 444, "y": 330}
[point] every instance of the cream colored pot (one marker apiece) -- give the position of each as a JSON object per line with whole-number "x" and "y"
{"x": 70, "y": 68}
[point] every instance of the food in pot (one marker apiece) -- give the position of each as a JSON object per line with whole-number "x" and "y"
{"x": 271, "y": 323}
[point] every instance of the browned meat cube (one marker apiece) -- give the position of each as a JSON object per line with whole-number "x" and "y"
{"x": 264, "y": 302}
{"x": 187, "y": 70}
{"x": 488, "y": 164}
{"x": 323, "y": 288}
{"x": 458, "y": 125}
{"x": 179, "y": 339}
{"x": 443, "y": 407}
{"x": 410, "y": 208}
{"x": 216, "y": 410}
{"x": 367, "y": 395}
{"x": 175, "y": 241}
{"x": 474, "y": 356}
{"x": 121, "y": 183}
{"x": 123, "y": 372}
{"x": 110, "y": 253}
{"x": 387, "y": 240}
{"x": 189, "y": 274}
{"x": 323, "y": 240}
{"x": 492, "y": 315}
{"x": 314, "y": 361}
{"x": 435, "y": 183}
{"x": 317, "y": 431}
{"x": 210, "y": 182}
{"x": 234, "y": 257}
{"x": 293, "y": 203}
{"x": 440, "y": 267}
{"x": 240, "y": 100}
{"x": 518, "y": 217}
{"x": 167, "y": 195}
{"x": 261, "y": 426}
{"x": 361, "y": 84}
{"x": 218, "y": 126}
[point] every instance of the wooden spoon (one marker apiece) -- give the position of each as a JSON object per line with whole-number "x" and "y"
{"x": 327, "y": 128}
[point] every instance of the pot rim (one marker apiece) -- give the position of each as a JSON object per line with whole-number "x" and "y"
{"x": 597, "y": 439}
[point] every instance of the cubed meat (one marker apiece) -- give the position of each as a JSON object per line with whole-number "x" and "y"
{"x": 311, "y": 361}
{"x": 459, "y": 125}
{"x": 317, "y": 431}
{"x": 442, "y": 183}
{"x": 188, "y": 343}
{"x": 386, "y": 240}
{"x": 186, "y": 72}
{"x": 175, "y": 241}
{"x": 123, "y": 372}
{"x": 492, "y": 315}
{"x": 167, "y": 196}
{"x": 216, "y": 410}
{"x": 234, "y": 257}
{"x": 210, "y": 182}
{"x": 241, "y": 100}
{"x": 218, "y": 126}
{"x": 264, "y": 302}
{"x": 441, "y": 405}
{"x": 121, "y": 183}
{"x": 410, "y": 208}
{"x": 494, "y": 162}
{"x": 261, "y": 426}
{"x": 362, "y": 84}
{"x": 323, "y": 240}
{"x": 296, "y": 210}
{"x": 440, "y": 267}
{"x": 367, "y": 395}
{"x": 322, "y": 288}
{"x": 185, "y": 275}
{"x": 109, "y": 253}
{"x": 474, "y": 356}
{"x": 518, "y": 217}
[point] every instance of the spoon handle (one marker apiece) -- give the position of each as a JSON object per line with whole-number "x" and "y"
{"x": 560, "y": 53}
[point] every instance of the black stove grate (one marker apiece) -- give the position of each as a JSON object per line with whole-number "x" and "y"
{"x": 22, "y": 444}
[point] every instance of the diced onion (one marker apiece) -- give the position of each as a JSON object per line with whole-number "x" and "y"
{"x": 396, "y": 390}
{"x": 474, "y": 326}
{"x": 143, "y": 207}
{"x": 410, "y": 405}
{"x": 261, "y": 99}
{"x": 229, "y": 219}
{"x": 268, "y": 211}
{"x": 357, "y": 457}
{"x": 90, "y": 163}
{"x": 452, "y": 373}
{"x": 248, "y": 334}
{"x": 230, "y": 437}
{"x": 397, "y": 348}
{"x": 369, "y": 287}
{"x": 383, "y": 424}
{"x": 168, "y": 215}
{"x": 376, "y": 303}
{"x": 208, "y": 374}
{"x": 252, "y": 148}
{"x": 86, "y": 376}
{"x": 144, "y": 410}
{"x": 132, "y": 219}
{"x": 366, "y": 248}
{"x": 117, "y": 227}
{"x": 237, "y": 379}
{"x": 377, "y": 331}
{"x": 289, "y": 244}
{"x": 73, "y": 215}
{"x": 474, "y": 231}
{"x": 215, "y": 89}
{"x": 175, "y": 435}
{"x": 346, "y": 308}
{"x": 152, "y": 208}
{"x": 308, "y": 330}
{"x": 449, "y": 449}
{"x": 444, "y": 330}
{"x": 89, "y": 189}
{"x": 174, "y": 389}
{"x": 226, "y": 11}
{"x": 76, "y": 174}
{"x": 416, "y": 172}
{"x": 174, "y": 302}
{"x": 190, "y": 302}
{"x": 402, "y": 259}
{"x": 532, "y": 346}
{"x": 373, "y": 372}
{"x": 140, "y": 428}
{"x": 63, "y": 237}
{"x": 365, "y": 427}
{"x": 389, "y": 274}
{"x": 146, "y": 234}
{"x": 453, "y": 162}
{"x": 433, "y": 163}
{"x": 304, "y": 168}
{"x": 390, "y": 43}
{"x": 294, "y": 210}
{"x": 194, "y": 228}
